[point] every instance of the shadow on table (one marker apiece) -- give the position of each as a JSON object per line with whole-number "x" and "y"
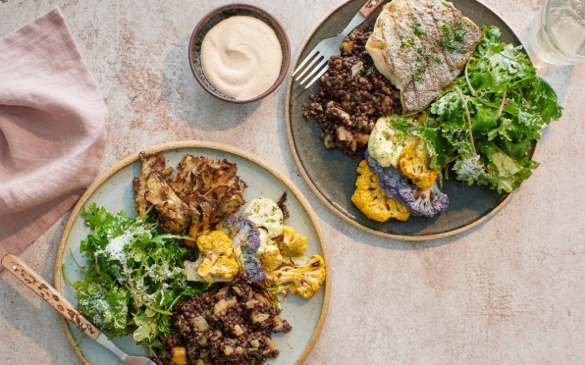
{"x": 188, "y": 101}
{"x": 394, "y": 244}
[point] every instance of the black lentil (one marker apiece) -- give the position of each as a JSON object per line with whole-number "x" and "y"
{"x": 352, "y": 97}
{"x": 232, "y": 336}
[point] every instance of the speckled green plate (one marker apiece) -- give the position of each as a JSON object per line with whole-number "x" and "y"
{"x": 114, "y": 191}
{"x": 332, "y": 174}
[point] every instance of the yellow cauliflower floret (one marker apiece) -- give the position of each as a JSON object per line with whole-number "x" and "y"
{"x": 224, "y": 267}
{"x": 215, "y": 242}
{"x": 304, "y": 281}
{"x": 271, "y": 258}
{"x": 217, "y": 259}
{"x": 371, "y": 199}
{"x": 293, "y": 244}
{"x": 413, "y": 164}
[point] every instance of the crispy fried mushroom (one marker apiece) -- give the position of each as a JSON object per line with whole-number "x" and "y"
{"x": 209, "y": 187}
{"x": 150, "y": 163}
{"x": 173, "y": 214}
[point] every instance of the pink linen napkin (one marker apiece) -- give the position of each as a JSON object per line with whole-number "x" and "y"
{"x": 52, "y": 129}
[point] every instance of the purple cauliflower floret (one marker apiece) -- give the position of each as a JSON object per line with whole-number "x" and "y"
{"x": 426, "y": 202}
{"x": 389, "y": 179}
{"x": 248, "y": 236}
{"x": 243, "y": 232}
{"x": 252, "y": 269}
{"x": 230, "y": 226}
{"x": 422, "y": 202}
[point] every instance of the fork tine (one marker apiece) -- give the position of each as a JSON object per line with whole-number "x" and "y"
{"x": 318, "y": 58}
{"x": 315, "y": 69}
{"x": 321, "y": 73}
{"x": 307, "y": 59}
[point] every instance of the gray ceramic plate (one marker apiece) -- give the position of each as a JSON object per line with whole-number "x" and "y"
{"x": 332, "y": 174}
{"x": 114, "y": 191}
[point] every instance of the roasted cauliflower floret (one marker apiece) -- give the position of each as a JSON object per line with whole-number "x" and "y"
{"x": 243, "y": 232}
{"x": 224, "y": 267}
{"x": 268, "y": 252}
{"x": 266, "y": 214}
{"x": 292, "y": 244}
{"x": 271, "y": 258}
{"x": 413, "y": 164}
{"x": 386, "y": 143}
{"x": 304, "y": 281}
{"x": 421, "y": 202}
{"x": 297, "y": 261}
{"x": 372, "y": 200}
{"x": 252, "y": 268}
{"x": 215, "y": 242}
{"x": 424, "y": 202}
{"x": 217, "y": 260}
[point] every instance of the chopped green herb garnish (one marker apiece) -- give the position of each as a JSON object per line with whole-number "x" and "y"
{"x": 417, "y": 29}
{"x": 437, "y": 59}
{"x": 407, "y": 42}
{"x": 459, "y": 33}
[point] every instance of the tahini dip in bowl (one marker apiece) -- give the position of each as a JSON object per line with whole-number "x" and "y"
{"x": 239, "y": 53}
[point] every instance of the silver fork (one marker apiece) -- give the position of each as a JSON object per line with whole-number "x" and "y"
{"x": 320, "y": 55}
{"x": 34, "y": 281}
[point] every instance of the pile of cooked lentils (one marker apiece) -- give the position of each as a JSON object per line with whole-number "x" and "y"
{"x": 231, "y": 324}
{"x": 352, "y": 97}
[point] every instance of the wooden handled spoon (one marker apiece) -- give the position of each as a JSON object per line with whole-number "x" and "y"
{"x": 34, "y": 281}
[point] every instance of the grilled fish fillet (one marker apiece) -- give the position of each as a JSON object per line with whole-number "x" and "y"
{"x": 421, "y": 46}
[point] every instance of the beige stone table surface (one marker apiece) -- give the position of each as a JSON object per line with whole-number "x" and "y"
{"x": 511, "y": 291}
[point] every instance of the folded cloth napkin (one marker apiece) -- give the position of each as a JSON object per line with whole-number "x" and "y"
{"x": 52, "y": 129}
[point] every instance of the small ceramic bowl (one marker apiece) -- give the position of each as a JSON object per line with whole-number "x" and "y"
{"x": 216, "y": 16}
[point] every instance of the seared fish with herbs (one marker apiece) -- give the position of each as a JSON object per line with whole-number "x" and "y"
{"x": 421, "y": 46}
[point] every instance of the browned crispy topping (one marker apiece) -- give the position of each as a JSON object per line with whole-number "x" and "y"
{"x": 200, "y": 194}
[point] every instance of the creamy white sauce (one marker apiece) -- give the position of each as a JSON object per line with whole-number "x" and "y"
{"x": 241, "y": 56}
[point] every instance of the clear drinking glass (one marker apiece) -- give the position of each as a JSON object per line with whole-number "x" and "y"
{"x": 559, "y": 37}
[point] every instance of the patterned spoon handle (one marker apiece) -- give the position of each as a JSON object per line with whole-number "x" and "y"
{"x": 370, "y": 6}
{"x": 34, "y": 281}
